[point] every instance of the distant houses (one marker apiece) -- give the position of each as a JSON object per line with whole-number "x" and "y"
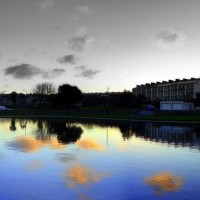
{"x": 21, "y": 100}
{"x": 172, "y": 90}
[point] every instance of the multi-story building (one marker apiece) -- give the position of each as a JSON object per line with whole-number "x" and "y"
{"x": 181, "y": 90}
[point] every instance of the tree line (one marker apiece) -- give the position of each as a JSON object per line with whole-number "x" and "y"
{"x": 66, "y": 96}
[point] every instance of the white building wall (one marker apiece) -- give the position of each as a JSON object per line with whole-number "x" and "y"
{"x": 176, "y": 105}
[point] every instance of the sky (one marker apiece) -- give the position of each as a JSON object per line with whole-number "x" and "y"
{"x": 97, "y": 44}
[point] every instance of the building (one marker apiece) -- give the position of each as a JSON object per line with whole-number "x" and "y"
{"x": 178, "y": 90}
{"x": 176, "y": 105}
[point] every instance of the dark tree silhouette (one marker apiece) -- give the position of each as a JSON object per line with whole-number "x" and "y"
{"x": 71, "y": 135}
{"x": 127, "y": 99}
{"x": 12, "y": 125}
{"x": 68, "y": 94}
{"x": 13, "y": 97}
{"x": 126, "y": 131}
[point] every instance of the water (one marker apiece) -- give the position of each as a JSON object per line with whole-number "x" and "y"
{"x": 58, "y": 159}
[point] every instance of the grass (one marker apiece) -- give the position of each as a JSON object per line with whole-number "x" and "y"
{"x": 116, "y": 114}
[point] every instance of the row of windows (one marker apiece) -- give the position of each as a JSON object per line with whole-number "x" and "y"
{"x": 188, "y": 91}
{"x": 170, "y": 87}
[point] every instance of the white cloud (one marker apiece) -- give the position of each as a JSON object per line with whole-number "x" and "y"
{"x": 170, "y": 39}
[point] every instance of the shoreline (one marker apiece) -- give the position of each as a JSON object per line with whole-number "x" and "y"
{"x": 101, "y": 118}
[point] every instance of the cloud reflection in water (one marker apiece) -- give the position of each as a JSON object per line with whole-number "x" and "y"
{"x": 30, "y": 144}
{"x": 82, "y": 175}
{"x": 164, "y": 182}
{"x": 91, "y": 144}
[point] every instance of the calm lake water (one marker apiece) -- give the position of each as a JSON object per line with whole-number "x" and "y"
{"x": 58, "y": 159}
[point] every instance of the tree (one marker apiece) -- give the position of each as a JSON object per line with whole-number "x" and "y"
{"x": 127, "y": 99}
{"x": 13, "y": 97}
{"x": 68, "y": 94}
{"x": 44, "y": 88}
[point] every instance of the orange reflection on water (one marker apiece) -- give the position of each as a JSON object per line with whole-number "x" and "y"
{"x": 91, "y": 144}
{"x": 30, "y": 144}
{"x": 81, "y": 175}
{"x": 26, "y": 144}
{"x": 53, "y": 142}
{"x": 164, "y": 182}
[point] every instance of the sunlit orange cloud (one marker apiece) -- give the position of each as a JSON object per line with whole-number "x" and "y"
{"x": 81, "y": 175}
{"x": 164, "y": 182}
{"x": 91, "y": 144}
{"x": 30, "y": 144}
{"x": 35, "y": 165}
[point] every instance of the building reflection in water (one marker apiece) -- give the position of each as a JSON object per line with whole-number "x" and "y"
{"x": 176, "y": 135}
{"x": 164, "y": 182}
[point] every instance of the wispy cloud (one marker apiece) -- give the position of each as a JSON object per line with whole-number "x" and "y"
{"x": 70, "y": 59}
{"x": 54, "y": 28}
{"x": 46, "y": 3}
{"x": 81, "y": 11}
{"x": 23, "y": 71}
{"x": 84, "y": 72}
{"x": 13, "y": 60}
{"x": 53, "y": 73}
{"x": 80, "y": 42}
{"x": 35, "y": 50}
{"x": 170, "y": 39}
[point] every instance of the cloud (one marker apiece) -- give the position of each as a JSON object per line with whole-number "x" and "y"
{"x": 46, "y": 3}
{"x": 54, "y": 28}
{"x": 52, "y": 73}
{"x": 13, "y": 60}
{"x": 86, "y": 73}
{"x": 23, "y": 71}
{"x": 80, "y": 42}
{"x": 170, "y": 39}
{"x": 81, "y": 11}
{"x": 71, "y": 59}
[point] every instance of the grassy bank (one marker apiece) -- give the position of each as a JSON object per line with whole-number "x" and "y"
{"x": 117, "y": 114}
